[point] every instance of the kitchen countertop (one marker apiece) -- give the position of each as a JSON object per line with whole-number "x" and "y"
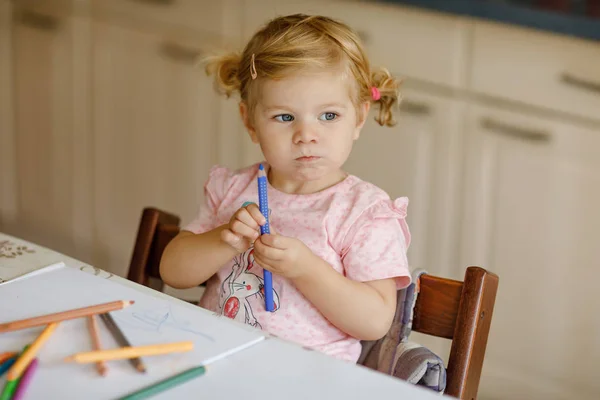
{"x": 568, "y": 24}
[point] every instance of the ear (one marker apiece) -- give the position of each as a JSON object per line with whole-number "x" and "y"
{"x": 247, "y": 120}
{"x": 363, "y": 113}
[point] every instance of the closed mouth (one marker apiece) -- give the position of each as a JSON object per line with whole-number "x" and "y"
{"x": 307, "y": 158}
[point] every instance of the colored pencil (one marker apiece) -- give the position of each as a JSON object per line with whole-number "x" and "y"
{"x": 6, "y": 356}
{"x": 131, "y": 352}
{"x": 166, "y": 384}
{"x": 119, "y": 336}
{"x": 9, "y": 389}
{"x": 25, "y": 358}
{"x": 93, "y": 327}
{"x": 11, "y": 385}
{"x": 25, "y": 380}
{"x": 63, "y": 316}
{"x": 5, "y": 366}
{"x": 263, "y": 205}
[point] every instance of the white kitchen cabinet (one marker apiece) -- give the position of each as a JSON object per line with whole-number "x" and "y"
{"x": 531, "y": 216}
{"x": 525, "y": 65}
{"x": 155, "y": 123}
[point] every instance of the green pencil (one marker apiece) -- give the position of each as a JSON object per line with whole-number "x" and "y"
{"x": 11, "y": 386}
{"x": 166, "y": 384}
{"x": 9, "y": 389}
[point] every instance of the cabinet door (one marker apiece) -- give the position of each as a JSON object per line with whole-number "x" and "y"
{"x": 42, "y": 69}
{"x": 155, "y": 121}
{"x": 531, "y": 216}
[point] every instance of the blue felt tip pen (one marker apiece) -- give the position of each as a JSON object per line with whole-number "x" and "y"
{"x": 263, "y": 204}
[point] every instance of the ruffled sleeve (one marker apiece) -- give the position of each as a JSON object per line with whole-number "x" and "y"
{"x": 375, "y": 246}
{"x": 215, "y": 188}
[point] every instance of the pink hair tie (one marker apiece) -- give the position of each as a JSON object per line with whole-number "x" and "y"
{"x": 375, "y": 94}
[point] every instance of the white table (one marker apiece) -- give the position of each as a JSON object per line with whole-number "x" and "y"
{"x": 271, "y": 369}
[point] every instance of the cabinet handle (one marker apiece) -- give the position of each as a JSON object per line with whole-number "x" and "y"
{"x": 415, "y": 108}
{"x": 534, "y": 135}
{"x": 39, "y": 21}
{"x": 156, "y": 2}
{"x": 569, "y": 79}
{"x": 181, "y": 53}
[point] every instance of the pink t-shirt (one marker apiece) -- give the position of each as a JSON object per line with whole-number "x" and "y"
{"x": 353, "y": 225}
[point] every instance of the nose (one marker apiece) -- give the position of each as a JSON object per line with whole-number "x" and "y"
{"x": 305, "y": 134}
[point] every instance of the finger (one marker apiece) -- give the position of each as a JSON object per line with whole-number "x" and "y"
{"x": 267, "y": 252}
{"x": 231, "y": 239}
{"x": 276, "y": 241}
{"x": 244, "y": 215}
{"x": 240, "y": 228}
{"x": 264, "y": 264}
{"x": 256, "y": 214}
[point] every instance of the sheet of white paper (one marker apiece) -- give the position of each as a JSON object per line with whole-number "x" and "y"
{"x": 19, "y": 258}
{"x": 42, "y": 270}
{"x": 150, "y": 320}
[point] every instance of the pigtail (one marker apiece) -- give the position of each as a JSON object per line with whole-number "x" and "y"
{"x": 388, "y": 98}
{"x": 225, "y": 69}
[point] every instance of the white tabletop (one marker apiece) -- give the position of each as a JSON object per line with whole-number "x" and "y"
{"x": 270, "y": 369}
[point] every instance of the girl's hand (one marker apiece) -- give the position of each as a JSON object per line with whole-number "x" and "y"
{"x": 243, "y": 228}
{"x": 282, "y": 255}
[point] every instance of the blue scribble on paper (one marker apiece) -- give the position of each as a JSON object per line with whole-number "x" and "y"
{"x": 157, "y": 320}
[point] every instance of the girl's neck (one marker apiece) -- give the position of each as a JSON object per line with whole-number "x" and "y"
{"x": 290, "y": 186}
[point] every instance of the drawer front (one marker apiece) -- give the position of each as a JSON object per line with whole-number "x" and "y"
{"x": 407, "y": 41}
{"x": 197, "y": 15}
{"x": 552, "y": 71}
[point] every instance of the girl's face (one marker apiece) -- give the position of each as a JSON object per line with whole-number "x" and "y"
{"x": 305, "y": 125}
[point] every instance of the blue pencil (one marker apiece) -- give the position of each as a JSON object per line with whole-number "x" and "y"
{"x": 5, "y": 366}
{"x": 263, "y": 204}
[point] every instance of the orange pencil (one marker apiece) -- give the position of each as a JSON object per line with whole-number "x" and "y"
{"x": 6, "y": 356}
{"x": 63, "y": 316}
{"x": 131, "y": 352}
{"x": 100, "y": 365}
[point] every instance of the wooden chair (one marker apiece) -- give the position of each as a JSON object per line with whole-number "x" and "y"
{"x": 459, "y": 311}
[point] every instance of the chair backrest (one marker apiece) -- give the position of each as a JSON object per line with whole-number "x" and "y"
{"x": 157, "y": 228}
{"x": 460, "y": 311}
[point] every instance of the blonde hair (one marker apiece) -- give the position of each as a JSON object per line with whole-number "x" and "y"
{"x": 296, "y": 42}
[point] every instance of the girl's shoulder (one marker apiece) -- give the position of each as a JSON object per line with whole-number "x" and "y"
{"x": 223, "y": 180}
{"x": 365, "y": 197}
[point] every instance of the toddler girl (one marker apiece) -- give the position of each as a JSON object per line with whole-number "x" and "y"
{"x": 337, "y": 248}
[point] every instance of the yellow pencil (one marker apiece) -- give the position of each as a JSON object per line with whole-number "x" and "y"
{"x": 23, "y": 361}
{"x": 93, "y": 327}
{"x": 131, "y": 352}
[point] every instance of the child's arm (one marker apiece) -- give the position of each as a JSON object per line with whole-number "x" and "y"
{"x": 190, "y": 259}
{"x": 364, "y": 310}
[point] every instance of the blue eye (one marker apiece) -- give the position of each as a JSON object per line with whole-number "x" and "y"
{"x": 328, "y": 116}
{"x": 284, "y": 118}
